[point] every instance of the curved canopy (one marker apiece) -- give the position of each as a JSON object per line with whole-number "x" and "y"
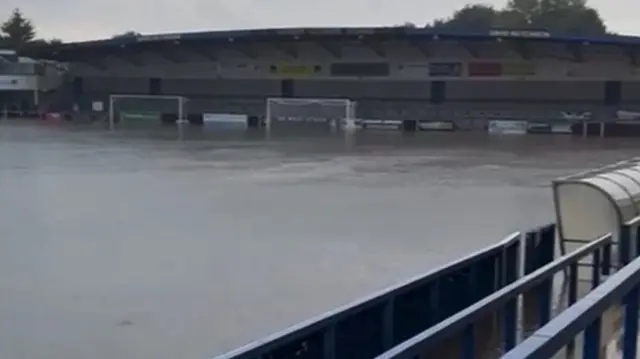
{"x": 597, "y": 202}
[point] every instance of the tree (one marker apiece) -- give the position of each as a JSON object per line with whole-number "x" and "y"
{"x": 568, "y": 17}
{"x": 129, "y": 33}
{"x": 17, "y": 30}
{"x": 477, "y": 17}
{"x": 43, "y": 42}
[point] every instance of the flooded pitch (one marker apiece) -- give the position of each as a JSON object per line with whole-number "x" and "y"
{"x": 153, "y": 244}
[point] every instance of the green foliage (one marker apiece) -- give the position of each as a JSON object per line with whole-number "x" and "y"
{"x": 569, "y": 17}
{"x": 18, "y": 32}
{"x": 130, "y": 33}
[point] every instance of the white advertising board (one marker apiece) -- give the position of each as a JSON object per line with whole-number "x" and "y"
{"x": 381, "y": 124}
{"x": 18, "y": 83}
{"x": 508, "y": 127}
{"x": 436, "y": 126}
{"x": 225, "y": 120}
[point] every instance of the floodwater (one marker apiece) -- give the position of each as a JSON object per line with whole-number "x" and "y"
{"x": 157, "y": 244}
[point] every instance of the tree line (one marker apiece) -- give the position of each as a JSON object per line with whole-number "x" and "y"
{"x": 18, "y": 31}
{"x": 558, "y": 17}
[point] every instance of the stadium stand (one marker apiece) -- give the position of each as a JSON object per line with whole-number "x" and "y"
{"x": 393, "y": 73}
{"x": 23, "y": 81}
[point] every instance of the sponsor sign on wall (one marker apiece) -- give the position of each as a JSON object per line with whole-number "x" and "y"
{"x": 518, "y": 69}
{"x": 482, "y": 69}
{"x": 18, "y": 83}
{"x": 97, "y": 106}
{"x": 295, "y": 70}
{"x": 445, "y": 69}
{"x": 413, "y": 70}
{"x": 508, "y": 127}
{"x": 360, "y": 69}
{"x": 520, "y": 33}
{"x": 576, "y": 115}
{"x": 628, "y": 115}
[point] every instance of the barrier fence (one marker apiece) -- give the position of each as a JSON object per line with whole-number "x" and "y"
{"x": 608, "y": 312}
{"x": 376, "y": 323}
{"x": 597, "y": 314}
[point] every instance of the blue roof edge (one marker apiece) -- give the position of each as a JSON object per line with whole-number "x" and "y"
{"x": 347, "y": 32}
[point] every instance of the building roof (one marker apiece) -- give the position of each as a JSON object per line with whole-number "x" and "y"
{"x": 69, "y": 50}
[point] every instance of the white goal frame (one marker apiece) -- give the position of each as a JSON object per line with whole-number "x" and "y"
{"x": 181, "y": 101}
{"x": 349, "y": 105}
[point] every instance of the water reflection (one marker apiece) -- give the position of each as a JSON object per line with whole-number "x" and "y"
{"x": 159, "y": 243}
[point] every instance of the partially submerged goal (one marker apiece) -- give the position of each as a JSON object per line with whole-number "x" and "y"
{"x": 311, "y": 110}
{"x": 596, "y": 202}
{"x": 136, "y": 109}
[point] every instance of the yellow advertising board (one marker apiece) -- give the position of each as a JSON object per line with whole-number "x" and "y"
{"x": 287, "y": 70}
{"x": 518, "y": 69}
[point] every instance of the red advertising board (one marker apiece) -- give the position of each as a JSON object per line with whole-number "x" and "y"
{"x": 489, "y": 69}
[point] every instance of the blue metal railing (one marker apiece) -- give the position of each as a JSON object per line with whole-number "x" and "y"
{"x": 587, "y": 315}
{"x": 459, "y": 337}
{"x": 374, "y": 324}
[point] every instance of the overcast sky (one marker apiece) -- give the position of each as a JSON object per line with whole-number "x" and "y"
{"x": 73, "y": 20}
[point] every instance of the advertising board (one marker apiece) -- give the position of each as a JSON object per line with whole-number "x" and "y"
{"x": 538, "y": 127}
{"x": 436, "y": 126}
{"x": 484, "y": 69}
{"x": 381, "y": 124}
{"x": 445, "y": 69}
{"x": 562, "y": 128}
{"x": 508, "y": 127}
{"x": 225, "y": 120}
{"x": 295, "y": 70}
{"x": 18, "y": 83}
{"x": 627, "y": 115}
{"x": 576, "y": 115}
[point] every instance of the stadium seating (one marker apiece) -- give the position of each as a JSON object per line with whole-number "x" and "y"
{"x": 541, "y": 80}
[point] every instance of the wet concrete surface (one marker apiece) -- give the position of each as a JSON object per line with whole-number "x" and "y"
{"x": 154, "y": 243}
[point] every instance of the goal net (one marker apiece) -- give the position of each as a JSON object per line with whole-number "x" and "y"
{"x": 132, "y": 110}
{"x": 334, "y": 112}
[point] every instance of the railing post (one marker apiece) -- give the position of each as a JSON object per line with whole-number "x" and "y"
{"x": 630, "y": 336}
{"x": 624, "y": 245}
{"x": 509, "y": 325}
{"x": 544, "y": 297}
{"x": 595, "y": 269}
{"x": 468, "y": 343}
{"x": 573, "y": 298}
{"x": 606, "y": 259}
{"x": 637, "y": 252}
{"x": 591, "y": 341}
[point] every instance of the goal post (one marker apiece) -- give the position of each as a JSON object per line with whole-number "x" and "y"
{"x": 145, "y": 108}
{"x": 316, "y": 110}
